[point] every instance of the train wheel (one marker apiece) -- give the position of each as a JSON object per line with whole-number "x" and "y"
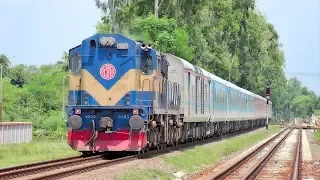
{"x": 164, "y": 146}
{"x": 146, "y": 149}
{"x": 141, "y": 152}
{"x": 176, "y": 143}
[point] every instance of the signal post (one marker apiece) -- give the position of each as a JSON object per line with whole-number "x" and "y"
{"x": 268, "y": 97}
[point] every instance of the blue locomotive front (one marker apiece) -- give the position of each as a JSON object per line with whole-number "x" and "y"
{"x": 110, "y": 96}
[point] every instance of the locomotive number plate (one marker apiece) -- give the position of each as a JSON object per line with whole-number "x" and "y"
{"x": 90, "y": 116}
{"x": 123, "y": 116}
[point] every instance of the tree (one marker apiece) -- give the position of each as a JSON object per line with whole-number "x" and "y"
{"x": 220, "y": 36}
{"x": 5, "y": 62}
{"x": 63, "y": 65}
{"x": 302, "y": 106}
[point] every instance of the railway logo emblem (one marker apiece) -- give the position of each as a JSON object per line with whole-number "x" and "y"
{"x": 107, "y": 71}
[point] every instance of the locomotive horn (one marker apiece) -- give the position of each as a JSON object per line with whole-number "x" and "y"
{"x": 149, "y": 46}
{"x": 143, "y": 46}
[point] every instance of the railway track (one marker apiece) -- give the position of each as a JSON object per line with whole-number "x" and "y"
{"x": 251, "y": 166}
{"x": 60, "y": 168}
{"x": 45, "y": 166}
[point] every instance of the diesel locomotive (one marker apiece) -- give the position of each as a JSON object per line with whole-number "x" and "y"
{"x": 126, "y": 96}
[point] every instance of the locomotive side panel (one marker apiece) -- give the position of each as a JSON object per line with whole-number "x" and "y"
{"x": 175, "y": 74}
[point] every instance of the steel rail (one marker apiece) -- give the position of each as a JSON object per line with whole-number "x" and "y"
{"x": 45, "y": 167}
{"x": 37, "y": 164}
{"x": 224, "y": 173}
{"x": 296, "y": 173}
{"x": 253, "y": 172}
{"x": 85, "y": 168}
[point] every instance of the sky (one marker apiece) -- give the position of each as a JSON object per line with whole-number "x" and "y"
{"x": 36, "y": 32}
{"x": 298, "y": 24}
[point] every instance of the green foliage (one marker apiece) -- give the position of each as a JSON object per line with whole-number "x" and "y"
{"x": 35, "y": 151}
{"x": 5, "y": 63}
{"x": 166, "y": 35}
{"x": 302, "y": 106}
{"x": 316, "y": 112}
{"x": 104, "y": 27}
{"x": 145, "y": 174}
{"x": 39, "y": 100}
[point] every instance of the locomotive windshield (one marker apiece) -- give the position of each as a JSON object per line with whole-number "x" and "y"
{"x": 146, "y": 63}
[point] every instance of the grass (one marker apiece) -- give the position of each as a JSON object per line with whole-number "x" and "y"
{"x": 145, "y": 174}
{"x": 35, "y": 151}
{"x": 317, "y": 137}
{"x": 201, "y": 156}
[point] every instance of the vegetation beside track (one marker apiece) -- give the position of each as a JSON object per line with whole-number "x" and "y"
{"x": 145, "y": 174}
{"x": 201, "y": 157}
{"x": 35, "y": 151}
{"x": 317, "y": 137}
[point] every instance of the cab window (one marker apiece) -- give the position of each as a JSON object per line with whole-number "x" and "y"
{"x": 75, "y": 64}
{"x": 146, "y": 63}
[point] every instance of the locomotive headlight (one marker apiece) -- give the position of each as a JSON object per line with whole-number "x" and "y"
{"x": 107, "y": 41}
{"x": 75, "y": 122}
{"x": 136, "y": 122}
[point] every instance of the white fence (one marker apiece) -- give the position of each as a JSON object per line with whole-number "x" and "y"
{"x": 15, "y": 132}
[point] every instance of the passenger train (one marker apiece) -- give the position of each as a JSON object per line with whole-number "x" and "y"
{"x": 126, "y": 96}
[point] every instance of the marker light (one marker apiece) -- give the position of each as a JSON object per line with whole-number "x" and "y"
{"x": 135, "y": 111}
{"x": 77, "y": 111}
{"x": 128, "y": 99}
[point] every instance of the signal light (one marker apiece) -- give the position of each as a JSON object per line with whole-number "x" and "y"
{"x": 268, "y": 92}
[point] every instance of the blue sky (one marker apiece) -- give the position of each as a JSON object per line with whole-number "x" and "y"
{"x": 37, "y": 32}
{"x": 298, "y": 24}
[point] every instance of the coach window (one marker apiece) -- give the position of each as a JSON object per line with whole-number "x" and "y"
{"x": 75, "y": 64}
{"x": 146, "y": 63}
